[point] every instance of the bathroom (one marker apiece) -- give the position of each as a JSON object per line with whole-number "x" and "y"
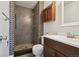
{"x": 51, "y": 27}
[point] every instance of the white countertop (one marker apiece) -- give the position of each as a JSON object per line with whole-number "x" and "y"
{"x": 63, "y": 39}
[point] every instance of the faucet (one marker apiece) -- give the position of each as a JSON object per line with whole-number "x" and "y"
{"x": 70, "y": 35}
{"x": 46, "y": 33}
{"x": 0, "y": 37}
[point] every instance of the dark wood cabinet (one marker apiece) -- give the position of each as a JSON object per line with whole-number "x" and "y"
{"x": 58, "y": 54}
{"x": 54, "y": 48}
{"x": 48, "y": 13}
{"x": 45, "y": 15}
{"x": 49, "y": 52}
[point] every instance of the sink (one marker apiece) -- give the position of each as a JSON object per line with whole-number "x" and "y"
{"x": 61, "y": 37}
{"x": 64, "y": 39}
{"x": 74, "y": 39}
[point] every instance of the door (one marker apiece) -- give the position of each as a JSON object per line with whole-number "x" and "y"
{"x": 4, "y": 28}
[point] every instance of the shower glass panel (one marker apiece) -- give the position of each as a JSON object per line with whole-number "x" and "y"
{"x": 23, "y": 29}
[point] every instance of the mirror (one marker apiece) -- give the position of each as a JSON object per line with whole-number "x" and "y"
{"x": 70, "y": 13}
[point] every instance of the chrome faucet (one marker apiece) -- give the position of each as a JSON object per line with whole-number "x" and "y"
{"x": 0, "y": 37}
{"x": 46, "y": 33}
{"x": 70, "y": 35}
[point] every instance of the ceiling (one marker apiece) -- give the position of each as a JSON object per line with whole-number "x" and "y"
{"x": 28, "y": 4}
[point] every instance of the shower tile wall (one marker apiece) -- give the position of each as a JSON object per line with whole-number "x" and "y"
{"x": 37, "y": 23}
{"x": 23, "y": 25}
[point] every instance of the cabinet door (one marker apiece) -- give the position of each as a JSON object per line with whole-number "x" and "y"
{"x": 53, "y": 10}
{"x": 45, "y": 16}
{"x": 48, "y": 52}
{"x": 58, "y": 54}
{"x": 49, "y": 13}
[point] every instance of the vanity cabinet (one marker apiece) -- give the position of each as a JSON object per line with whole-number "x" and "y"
{"x": 48, "y": 51}
{"x": 48, "y": 13}
{"x": 54, "y": 48}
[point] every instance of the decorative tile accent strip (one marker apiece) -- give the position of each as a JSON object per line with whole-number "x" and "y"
{"x": 11, "y": 28}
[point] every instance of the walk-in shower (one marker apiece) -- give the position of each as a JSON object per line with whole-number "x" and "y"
{"x": 28, "y": 27}
{"x": 23, "y": 28}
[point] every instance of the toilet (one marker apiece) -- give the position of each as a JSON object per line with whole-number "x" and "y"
{"x": 37, "y": 50}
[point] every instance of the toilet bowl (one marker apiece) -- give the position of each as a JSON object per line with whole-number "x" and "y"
{"x": 37, "y": 50}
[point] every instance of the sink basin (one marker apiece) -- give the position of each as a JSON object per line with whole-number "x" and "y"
{"x": 60, "y": 37}
{"x": 74, "y": 39}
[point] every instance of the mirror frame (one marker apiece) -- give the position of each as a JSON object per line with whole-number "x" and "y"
{"x": 62, "y": 17}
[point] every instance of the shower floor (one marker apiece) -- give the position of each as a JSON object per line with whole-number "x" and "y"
{"x": 22, "y": 46}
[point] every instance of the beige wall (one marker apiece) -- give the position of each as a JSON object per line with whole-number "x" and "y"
{"x": 23, "y": 25}
{"x": 55, "y": 27}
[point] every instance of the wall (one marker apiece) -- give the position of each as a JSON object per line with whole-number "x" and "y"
{"x": 37, "y": 22}
{"x": 23, "y": 25}
{"x": 4, "y": 28}
{"x": 55, "y": 27}
{"x": 47, "y": 3}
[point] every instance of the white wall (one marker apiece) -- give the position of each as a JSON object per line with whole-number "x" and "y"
{"x": 4, "y": 28}
{"x": 55, "y": 27}
{"x": 47, "y": 3}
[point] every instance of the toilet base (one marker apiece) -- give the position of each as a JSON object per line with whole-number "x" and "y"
{"x": 36, "y": 49}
